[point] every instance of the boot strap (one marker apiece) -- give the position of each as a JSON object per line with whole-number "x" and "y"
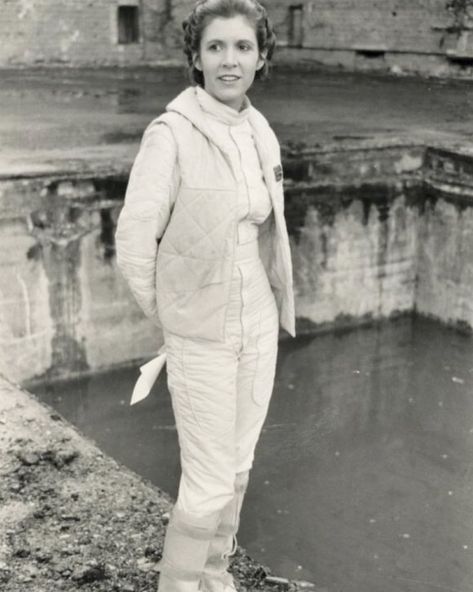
{"x": 179, "y": 573}
{"x": 226, "y": 530}
{"x": 234, "y": 546}
{"x": 191, "y": 531}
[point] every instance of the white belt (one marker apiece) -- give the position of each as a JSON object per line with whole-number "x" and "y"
{"x": 149, "y": 374}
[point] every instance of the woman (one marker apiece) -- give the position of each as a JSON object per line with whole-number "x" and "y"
{"x": 207, "y": 184}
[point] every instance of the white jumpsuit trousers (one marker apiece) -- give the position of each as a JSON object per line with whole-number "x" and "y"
{"x": 220, "y": 394}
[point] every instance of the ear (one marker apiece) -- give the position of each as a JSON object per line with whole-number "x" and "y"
{"x": 196, "y": 61}
{"x": 261, "y": 60}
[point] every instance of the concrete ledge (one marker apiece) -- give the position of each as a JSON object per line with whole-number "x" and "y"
{"x": 72, "y": 518}
{"x": 379, "y": 227}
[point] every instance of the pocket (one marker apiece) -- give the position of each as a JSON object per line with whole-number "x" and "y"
{"x": 267, "y": 350}
{"x": 203, "y": 386}
{"x": 177, "y": 273}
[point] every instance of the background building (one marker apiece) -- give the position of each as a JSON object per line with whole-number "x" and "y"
{"x": 428, "y": 36}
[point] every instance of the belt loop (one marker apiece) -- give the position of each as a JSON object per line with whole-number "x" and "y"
{"x": 247, "y": 250}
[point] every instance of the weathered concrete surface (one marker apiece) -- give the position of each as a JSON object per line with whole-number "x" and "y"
{"x": 64, "y": 306}
{"x": 376, "y": 230}
{"x": 66, "y": 310}
{"x": 72, "y": 518}
{"x": 445, "y": 262}
{"x": 445, "y": 237}
{"x": 63, "y": 119}
{"x": 353, "y": 231}
{"x": 359, "y": 265}
{"x": 397, "y": 238}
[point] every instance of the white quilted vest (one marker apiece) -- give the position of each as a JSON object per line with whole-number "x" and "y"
{"x": 196, "y": 253}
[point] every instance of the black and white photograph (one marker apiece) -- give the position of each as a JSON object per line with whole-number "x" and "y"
{"x": 236, "y": 296}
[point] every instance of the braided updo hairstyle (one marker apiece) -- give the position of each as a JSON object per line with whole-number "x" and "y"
{"x": 206, "y": 10}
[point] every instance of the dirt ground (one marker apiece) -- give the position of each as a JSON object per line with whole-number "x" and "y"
{"x": 73, "y": 519}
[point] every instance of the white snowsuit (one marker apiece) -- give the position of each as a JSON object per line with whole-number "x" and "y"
{"x": 221, "y": 344}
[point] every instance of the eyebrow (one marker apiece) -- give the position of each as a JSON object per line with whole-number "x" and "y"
{"x": 239, "y": 41}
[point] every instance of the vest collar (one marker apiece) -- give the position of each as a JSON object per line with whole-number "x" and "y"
{"x": 187, "y": 104}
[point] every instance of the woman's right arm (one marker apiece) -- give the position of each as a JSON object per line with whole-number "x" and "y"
{"x": 151, "y": 189}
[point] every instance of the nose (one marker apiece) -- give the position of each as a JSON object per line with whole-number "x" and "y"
{"x": 229, "y": 58}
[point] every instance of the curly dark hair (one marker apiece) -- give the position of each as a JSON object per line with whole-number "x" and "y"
{"x": 205, "y": 10}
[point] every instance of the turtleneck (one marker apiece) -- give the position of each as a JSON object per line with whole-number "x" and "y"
{"x": 219, "y": 110}
{"x": 235, "y": 131}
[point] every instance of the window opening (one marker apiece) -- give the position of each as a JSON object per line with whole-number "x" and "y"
{"x": 128, "y": 24}
{"x": 296, "y": 25}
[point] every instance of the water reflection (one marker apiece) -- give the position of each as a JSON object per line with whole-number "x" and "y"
{"x": 363, "y": 476}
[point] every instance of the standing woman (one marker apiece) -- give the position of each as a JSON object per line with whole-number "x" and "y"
{"x": 207, "y": 186}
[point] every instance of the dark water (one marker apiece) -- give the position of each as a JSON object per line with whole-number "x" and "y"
{"x": 363, "y": 478}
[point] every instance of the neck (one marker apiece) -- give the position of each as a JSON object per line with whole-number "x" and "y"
{"x": 236, "y": 106}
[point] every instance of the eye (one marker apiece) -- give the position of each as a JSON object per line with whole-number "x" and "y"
{"x": 245, "y": 47}
{"x": 214, "y": 46}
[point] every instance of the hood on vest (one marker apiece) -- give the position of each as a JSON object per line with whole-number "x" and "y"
{"x": 187, "y": 105}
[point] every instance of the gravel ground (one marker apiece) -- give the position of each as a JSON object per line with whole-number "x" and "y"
{"x": 72, "y": 518}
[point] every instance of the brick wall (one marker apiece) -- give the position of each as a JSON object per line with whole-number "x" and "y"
{"x": 426, "y": 36}
{"x": 86, "y": 32}
{"x": 352, "y": 24}
{"x": 377, "y": 34}
{"x": 64, "y": 31}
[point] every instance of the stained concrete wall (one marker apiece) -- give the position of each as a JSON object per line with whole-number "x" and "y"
{"x": 393, "y": 234}
{"x": 445, "y": 262}
{"x": 358, "y": 264}
{"x": 445, "y": 238}
{"x": 375, "y": 231}
{"x": 428, "y": 36}
{"x": 64, "y": 308}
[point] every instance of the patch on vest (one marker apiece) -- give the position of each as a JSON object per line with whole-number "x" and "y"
{"x": 278, "y": 172}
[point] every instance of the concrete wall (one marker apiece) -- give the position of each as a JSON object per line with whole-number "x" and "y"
{"x": 445, "y": 238}
{"x": 376, "y": 231}
{"x": 64, "y": 308}
{"x": 428, "y": 36}
{"x": 445, "y": 262}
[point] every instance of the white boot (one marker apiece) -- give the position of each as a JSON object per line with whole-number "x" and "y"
{"x": 186, "y": 546}
{"x": 216, "y": 578}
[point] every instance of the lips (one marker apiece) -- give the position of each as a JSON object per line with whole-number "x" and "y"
{"x": 229, "y": 78}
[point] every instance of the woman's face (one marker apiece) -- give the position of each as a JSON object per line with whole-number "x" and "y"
{"x": 228, "y": 58}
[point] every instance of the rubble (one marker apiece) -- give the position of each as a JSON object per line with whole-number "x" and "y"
{"x": 73, "y": 519}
